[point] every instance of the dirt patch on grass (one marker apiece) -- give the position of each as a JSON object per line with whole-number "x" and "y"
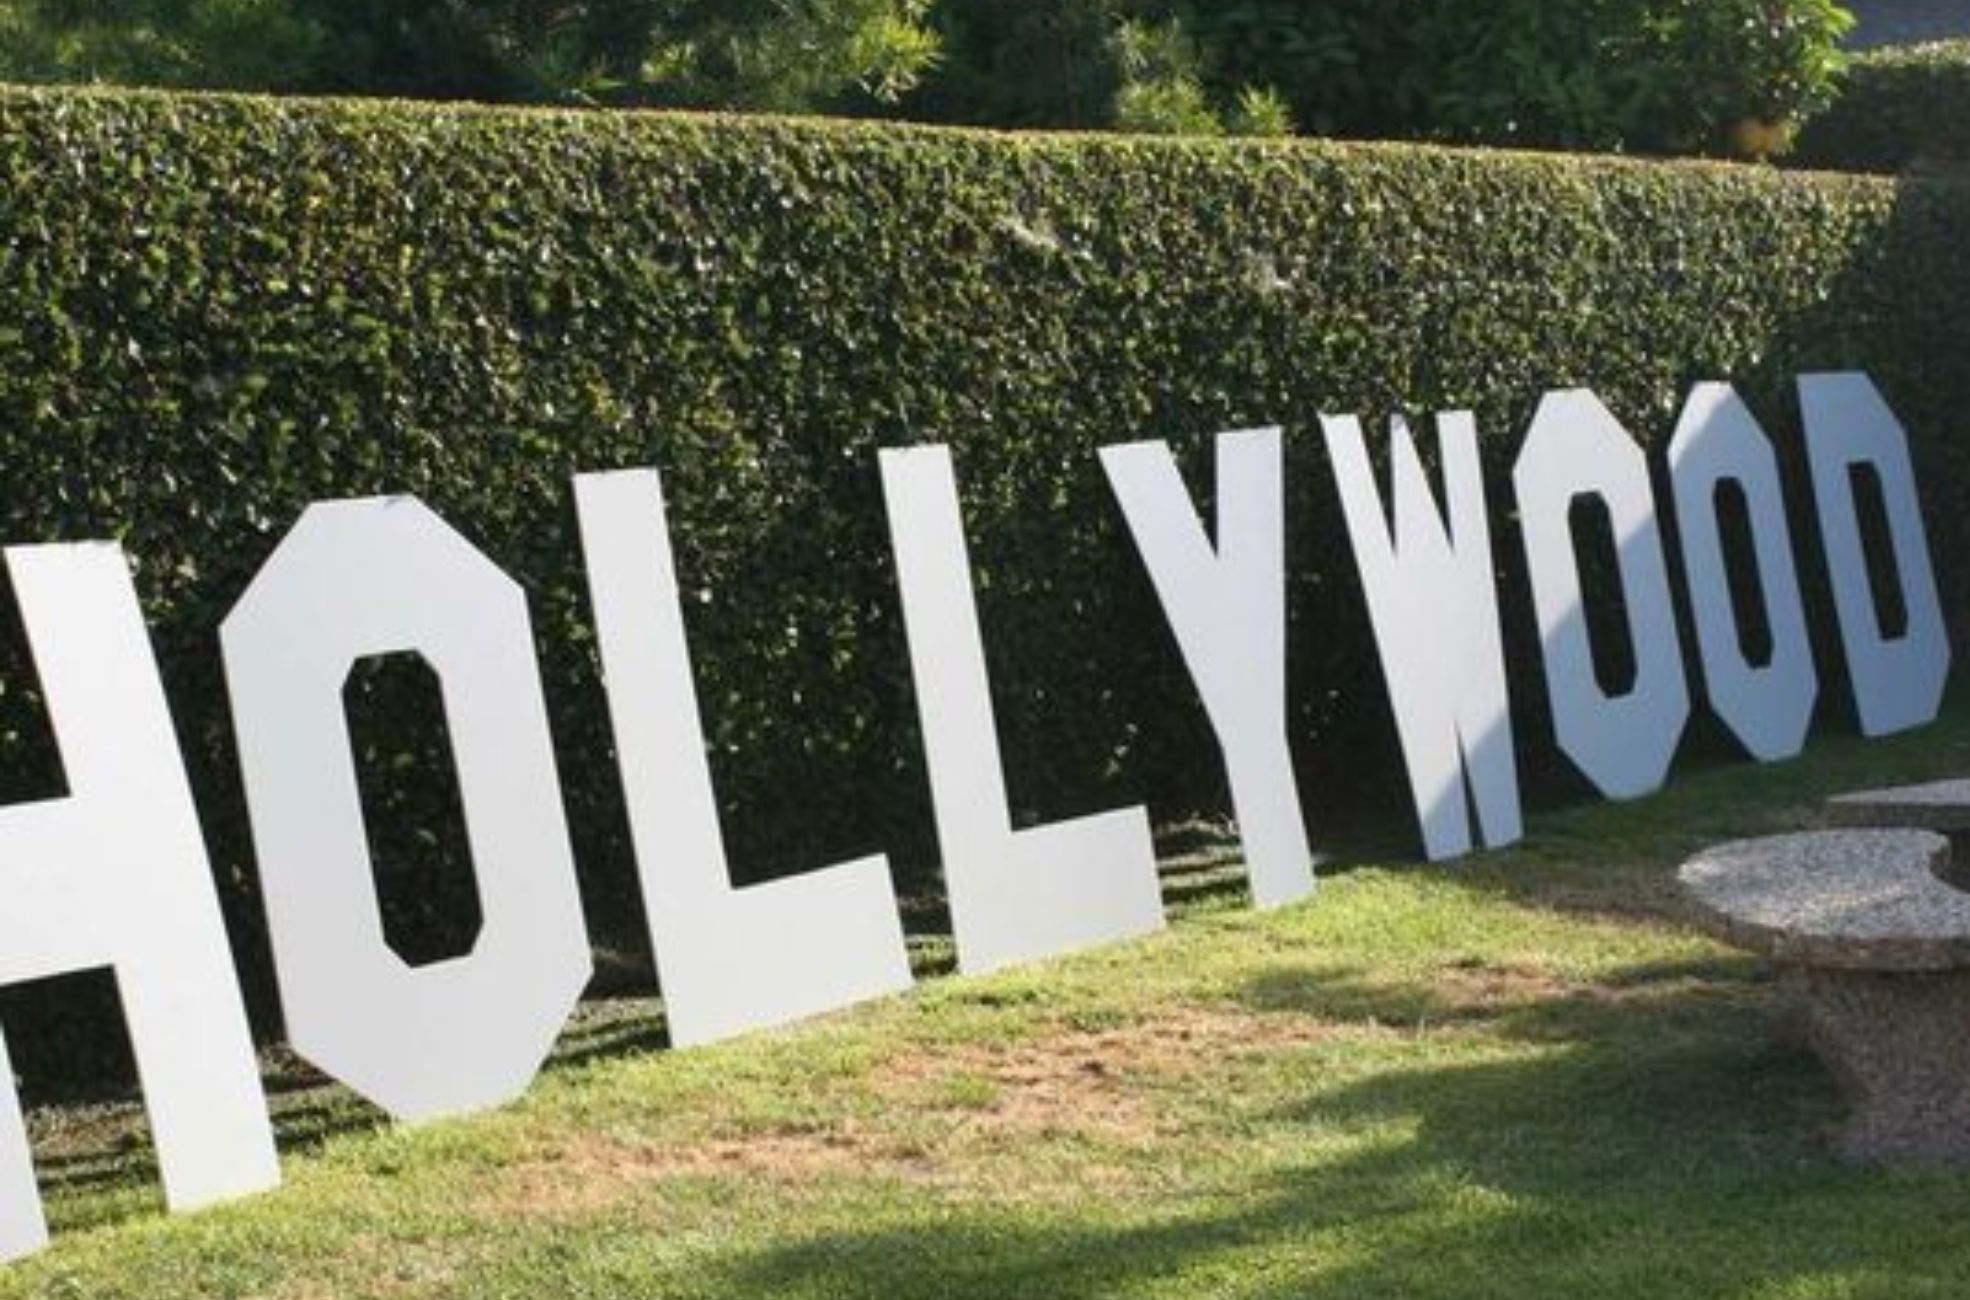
{"x": 941, "y": 1116}
{"x": 1094, "y": 1083}
{"x": 1067, "y": 1110}
{"x": 1485, "y": 986}
{"x": 587, "y": 1173}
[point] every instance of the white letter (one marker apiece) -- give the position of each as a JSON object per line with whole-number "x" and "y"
{"x": 1897, "y": 682}
{"x": 1622, "y": 743}
{"x": 1227, "y": 606}
{"x": 386, "y": 576}
{"x": 1433, "y": 598}
{"x": 115, "y": 875}
{"x": 1768, "y": 709}
{"x": 729, "y": 959}
{"x": 1015, "y": 895}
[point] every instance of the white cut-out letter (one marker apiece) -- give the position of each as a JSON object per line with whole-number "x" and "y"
{"x": 1227, "y": 605}
{"x": 115, "y": 875}
{"x": 1897, "y": 681}
{"x": 1768, "y": 707}
{"x": 1015, "y": 895}
{"x": 381, "y": 576}
{"x": 1623, "y": 743}
{"x": 1433, "y": 598}
{"x": 811, "y": 942}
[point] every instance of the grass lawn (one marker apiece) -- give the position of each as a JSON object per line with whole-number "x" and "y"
{"x": 1513, "y": 1076}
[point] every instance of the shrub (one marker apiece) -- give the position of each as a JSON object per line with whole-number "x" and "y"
{"x": 214, "y": 311}
{"x": 1260, "y": 110}
{"x": 1900, "y": 108}
{"x": 1161, "y": 93}
{"x": 1648, "y": 75}
{"x": 1045, "y": 63}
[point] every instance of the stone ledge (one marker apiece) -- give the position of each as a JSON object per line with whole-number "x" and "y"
{"x": 1942, "y": 806}
{"x": 1862, "y": 900}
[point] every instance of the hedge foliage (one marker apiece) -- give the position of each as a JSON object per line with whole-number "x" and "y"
{"x": 1902, "y": 107}
{"x": 214, "y": 311}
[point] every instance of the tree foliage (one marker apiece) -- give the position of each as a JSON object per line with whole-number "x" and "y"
{"x": 1902, "y": 108}
{"x": 1650, "y": 75}
{"x": 782, "y": 55}
{"x": 239, "y": 44}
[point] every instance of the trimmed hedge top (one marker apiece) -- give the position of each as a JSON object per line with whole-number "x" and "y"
{"x": 1902, "y": 107}
{"x": 214, "y": 311}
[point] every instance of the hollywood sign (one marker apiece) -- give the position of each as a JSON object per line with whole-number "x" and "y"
{"x": 115, "y": 874}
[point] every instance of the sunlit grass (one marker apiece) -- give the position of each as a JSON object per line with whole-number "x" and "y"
{"x": 1513, "y": 1076}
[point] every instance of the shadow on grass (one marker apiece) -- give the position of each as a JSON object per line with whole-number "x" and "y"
{"x": 1523, "y": 1005}
{"x": 1620, "y": 859}
{"x": 96, "y": 1165}
{"x": 1668, "y": 1140}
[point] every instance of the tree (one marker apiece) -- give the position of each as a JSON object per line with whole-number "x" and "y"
{"x": 783, "y": 55}
{"x": 243, "y": 44}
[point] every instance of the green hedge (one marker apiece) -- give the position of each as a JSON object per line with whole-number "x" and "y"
{"x": 214, "y": 311}
{"x": 1901, "y": 107}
